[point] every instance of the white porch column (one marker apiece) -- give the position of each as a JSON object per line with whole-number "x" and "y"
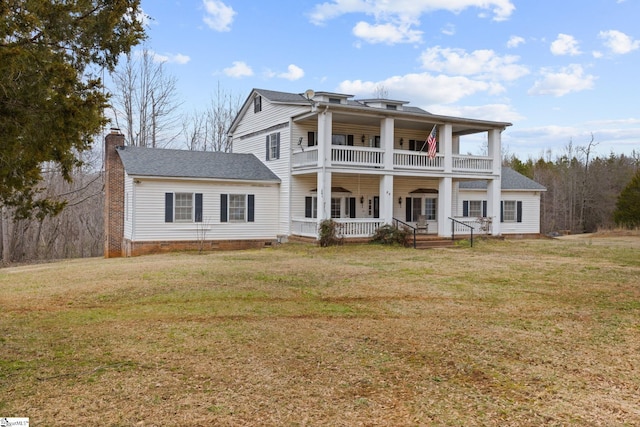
{"x": 324, "y": 195}
{"x": 386, "y": 136}
{"x": 494, "y": 186}
{"x": 325, "y": 125}
{"x": 495, "y": 149}
{"x": 445, "y": 137}
{"x": 386, "y": 199}
{"x": 494, "y": 191}
{"x": 445, "y": 200}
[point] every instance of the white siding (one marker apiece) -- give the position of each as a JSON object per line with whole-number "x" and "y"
{"x": 530, "y": 209}
{"x": 149, "y": 205}
{"x": 250, "y": 137}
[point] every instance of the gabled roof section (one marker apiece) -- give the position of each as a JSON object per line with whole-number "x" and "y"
{"x": 283, "y": 97}
{"x": 164, "y": 163}
{"x": 511, "y": 180}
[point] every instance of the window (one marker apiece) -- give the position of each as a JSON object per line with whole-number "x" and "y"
{"x": 342, "y": 139}
{"x": 392, "y": 107}
{"x": 273, "y": 146}
{"x": 183, "y": 207}
{"x": 257, "y": 104}
{"x": 311, "y": 207}
{"x": 475, "y": 208}
{"x": 311, "y": 139}
{"x": 237, "y": 207}
{"x": 335, "y": 101}
{"x": 509, "y": 211}
{"x": 416, "y": 211}
{"x": 431, "y": 209}
{"x": 336, "y": 203}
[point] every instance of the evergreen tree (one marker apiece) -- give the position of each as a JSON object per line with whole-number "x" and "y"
{"x": 627, "y": 213}
{"x": 51, "y": 101}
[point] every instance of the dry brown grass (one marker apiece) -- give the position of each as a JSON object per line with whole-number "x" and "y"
{"x": 508, "y": 333}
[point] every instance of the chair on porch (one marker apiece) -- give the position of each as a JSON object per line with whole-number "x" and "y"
{"x": 421, "y": 224}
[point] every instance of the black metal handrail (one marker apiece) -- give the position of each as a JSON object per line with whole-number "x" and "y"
{"x": 453, "y": 229}
{"x": 396, "y": 221}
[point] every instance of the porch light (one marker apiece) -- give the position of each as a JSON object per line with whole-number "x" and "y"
{"x": 362, "y": 200}
{"x": 362, "y": 139}
{"x": 400, "y": 201}
{"x": 401, "y": 141}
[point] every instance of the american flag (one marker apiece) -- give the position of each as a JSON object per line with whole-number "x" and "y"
{"x": 431, "y": 143}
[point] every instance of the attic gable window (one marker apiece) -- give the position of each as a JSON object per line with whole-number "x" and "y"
{"x": 257, "y": 104}
{"x": 335, "y": 101}
{"x": 392, "y": 107}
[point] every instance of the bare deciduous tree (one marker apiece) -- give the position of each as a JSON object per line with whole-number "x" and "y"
{"x": 146, "y": 103}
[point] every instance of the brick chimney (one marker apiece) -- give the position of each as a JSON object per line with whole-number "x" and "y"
{"x": 113, "y": 195}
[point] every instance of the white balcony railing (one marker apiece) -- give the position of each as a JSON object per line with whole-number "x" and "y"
{"x": 365, "y": 157}
{"x": 481, "y": 225}
{"x": 472, "y": 164}
{"x": 413, "y": 160}
{"x": 356, "y": 156}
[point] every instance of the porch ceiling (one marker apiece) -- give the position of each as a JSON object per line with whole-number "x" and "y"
{"x": 423, "y": 125}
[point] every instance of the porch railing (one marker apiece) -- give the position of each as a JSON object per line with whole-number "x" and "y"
{"x": 472, "y": 163}
{"x": 356, "y": 156}
{"x": 347, "y": 227}
{"x": 413, "y": 160}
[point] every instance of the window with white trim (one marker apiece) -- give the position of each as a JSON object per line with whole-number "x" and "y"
{"x": 273, "y": 146}
{"x": 237, "y": 207}
{"x": 183, "y": 208}
{"x": 475, "y": 208}
{"x": 509, "y": 209}
{"x": 336, "y": 204}
{"x": 431, "y": 208}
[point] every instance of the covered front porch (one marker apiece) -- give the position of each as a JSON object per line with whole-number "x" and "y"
{"x": 360, "y": 204}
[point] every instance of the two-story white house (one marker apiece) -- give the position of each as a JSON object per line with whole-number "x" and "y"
{"x": 300, "y": 158}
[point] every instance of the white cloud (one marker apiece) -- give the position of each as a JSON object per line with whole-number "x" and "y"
{"x": 515, "y": 41}
{"x": 449, "y": 30}
{"x": 422, "y": 88}
{"x": 406, "y": 11}
{"x": 597, "y": 54}
{"x": 618, "y": 42}
{"x": 238, "y": 70}
{"x": 568, "y": 79}
{"x": 218, "y": 15}
{"x": 393, "y": 20}
{"x": 483, "y": 64}
{"x": 294, "y": 73}
{"x": 565, "y": 45}
{"x": 386, "y": 33}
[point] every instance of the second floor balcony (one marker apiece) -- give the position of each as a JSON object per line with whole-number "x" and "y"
{"x": 403, "y": 160}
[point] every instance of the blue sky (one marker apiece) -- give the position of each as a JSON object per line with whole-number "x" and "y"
{"x": 560, "y": 71}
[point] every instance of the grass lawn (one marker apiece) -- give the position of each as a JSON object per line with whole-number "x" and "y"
{"x": 542, "y": 332}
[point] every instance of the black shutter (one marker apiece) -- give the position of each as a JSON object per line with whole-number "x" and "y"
{"x": 407, "y": 207}
{"x": 168, "y": 207}
{"x": 484, "y": 208}
{"x": 308, "y": 207}
{"x": 350, "y": 140}
{"x": 267, "y": 156}
{"x": 465, "y": 208}
{"x": 198, "y": 217}
{"x": 412, "y": 145}
{"x": 501, "y": 211}
{"x": 352, "y": 207}
{"x": 519, "y": 212}
{"x": 251, "y": 201}
{"x": 311, "y": 139}
{"x": 277, "y": 156}
{"x": 223, "y": 208}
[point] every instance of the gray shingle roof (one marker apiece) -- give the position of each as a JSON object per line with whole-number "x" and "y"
{"x": 158, "y": 162}
{"x": 511, "y": 180}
